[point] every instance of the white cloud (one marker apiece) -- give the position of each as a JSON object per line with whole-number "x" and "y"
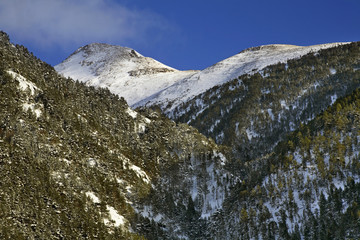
{"x": 67, "y": 22}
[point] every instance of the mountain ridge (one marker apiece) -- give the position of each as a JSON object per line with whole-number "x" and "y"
{"x": 123, "y": 70}
{"x": 249, "y": 78}
{"x": 184, "y": 85}
{"x": 247, "y": 112}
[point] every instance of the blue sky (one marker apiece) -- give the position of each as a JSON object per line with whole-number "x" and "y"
{"x": 182, "y": 34}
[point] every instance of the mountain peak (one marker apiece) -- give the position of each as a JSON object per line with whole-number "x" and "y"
{"x": 123, "y": 70}
{"x": 108, "y": 51}
{"x": 144, "y": 81}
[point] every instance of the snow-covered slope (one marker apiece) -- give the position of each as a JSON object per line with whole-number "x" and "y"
{"x": 246, "y": 62}
{"x": 145, "y": 81}
{"x": 123, "y": 70}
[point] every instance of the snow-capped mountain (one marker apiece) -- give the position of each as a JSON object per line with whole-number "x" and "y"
{"x": 145, "y": 81}
{"x": 249, "y": 100}
{"x": 249, "y": 61}
{"x": 94, "y": 168}
{"x": 123, "y": 70}
{"x": 252, "y": 112}
{"x": 78, "y": 163}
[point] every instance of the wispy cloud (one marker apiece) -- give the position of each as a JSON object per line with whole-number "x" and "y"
{"x": 68, "y": 22}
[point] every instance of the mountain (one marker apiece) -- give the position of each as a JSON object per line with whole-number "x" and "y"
{"x": 249, "y": 61}
{"x": 253, "y": 112}
{"x": 144, "y": 81}
{"x": 123, "y": 70}
{"x": 250, "y": 101}
{"x": 307, "y": 188}
{"x": 78, "y": 163}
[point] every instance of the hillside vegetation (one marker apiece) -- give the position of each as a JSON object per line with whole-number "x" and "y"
{"x": 253, "y": 112}
{"x": 78, "y": 163}
{"x": 308, "y": 187}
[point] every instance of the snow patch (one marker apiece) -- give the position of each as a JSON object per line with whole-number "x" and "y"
{"x": 92, "y": 162}
{"x": 265, "y": 91}
{"x": 271, "y": 114}
{"x": 132, "y": 113}
{"x": 141, "y": 128}
{"x": 116, "y": 219}
{"x": 66, "y": 161}
{"x": 221, "y": 156}
{"x": 32, "y": 107}
{"x": 147, "y": 120}
{"x": 339, "y": 184}
{"x": 24, "y": 84}
{"x": 92, "y": 197}
{"x": 316, "y": 84}
{"x": 333, "y": 99}
{"x": 148, "y": 212}
{"x": 58, "y": 176}
{"x": 251, "y": 134}
{"x": 120, "y": 181}
{"x": 284, "y": 105}
{"x": 194, "y": 191}
{"x": 140, "y": 173}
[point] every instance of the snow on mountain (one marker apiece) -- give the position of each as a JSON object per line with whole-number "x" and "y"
{"x": 249, "y": 61}
{"x": 145, "y": 81}
{"x": 123, "y": 70}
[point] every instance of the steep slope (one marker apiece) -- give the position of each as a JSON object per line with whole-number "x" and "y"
{"x": 249, "y": 101}
{"x": 144, "y": 81}
{"x": 249, "y": 61}
{"x": 123, "y": 70}
{"x": 253, "y": 112}
{"x": 78, "y": 163}
{"x": 307, "y": 188}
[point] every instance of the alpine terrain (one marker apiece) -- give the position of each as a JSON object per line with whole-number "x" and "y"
{"x": 78, "y": 163}
{"x": 231, "y": 101}
{"x": 272, "y": 151}
{"x": 123, "y": 70}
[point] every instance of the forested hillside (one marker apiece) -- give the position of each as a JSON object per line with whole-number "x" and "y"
{"x": 307, "y": 188}
{"x": 78, "y": 163}
{"x": 253, "y": 112}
